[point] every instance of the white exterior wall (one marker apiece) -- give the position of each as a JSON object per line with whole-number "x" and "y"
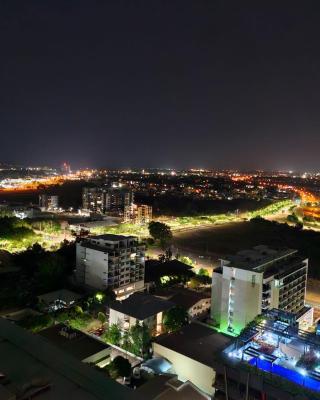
{"x": 201, "y": 375}
{"x": 94, "y": 265}
{"x": 125, "y": 322}
{"x": 236, "y": 297}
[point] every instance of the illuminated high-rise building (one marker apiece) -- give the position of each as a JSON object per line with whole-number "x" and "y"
{"x": 103, "y": 199}
{"x": 140, "y": 214}
{"x": 257, "y": 280}
{"x": 111, "y": 261}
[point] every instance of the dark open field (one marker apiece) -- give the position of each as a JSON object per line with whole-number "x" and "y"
{"x": 229, "y": 238}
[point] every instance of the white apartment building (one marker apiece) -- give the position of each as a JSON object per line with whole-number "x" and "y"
{"x": 111, "y": 261}
{"x": 257, "y": 280}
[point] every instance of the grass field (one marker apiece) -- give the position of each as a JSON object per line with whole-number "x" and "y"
{"x": 227, "y": 239}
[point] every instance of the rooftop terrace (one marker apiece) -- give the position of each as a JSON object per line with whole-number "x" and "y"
{"x": 277, "y": 347}
{"x": 259, "y": 258}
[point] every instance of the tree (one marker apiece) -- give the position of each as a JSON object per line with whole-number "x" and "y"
{"x": 113, "y": 335}
{"x": 120, "y": 366}
{"x": 186, "y": 260}
{"x": 140, "y": 339}
{"x": 199, "y": 280}
{"x": 110, "y": 295}
{"x": 78, "y": 310}
{"x": 102, "y": 318}
{"x": 160, "y": 232}
{"x": 203, "y": 272}
{"x": 293, "y": 218}
{"x": 194, "y": 283}
{"x": 51, "y": 272}
{"x": 175, "y": 318}
{"x": 36, "y": 323}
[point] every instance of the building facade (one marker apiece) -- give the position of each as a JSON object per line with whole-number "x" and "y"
{"x": 47, "y": 202}
{"x": 142, "y": 309}
{"x": 111, "y": 261}
{"x": 140, "y": 214}
{"x": 257, "y": 280}
{"x": 100, "y": 200}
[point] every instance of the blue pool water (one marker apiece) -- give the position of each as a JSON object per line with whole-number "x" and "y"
{"x": 289, "y": 374}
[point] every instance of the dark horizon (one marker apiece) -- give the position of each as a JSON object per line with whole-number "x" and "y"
{"x": 192, "y": 84}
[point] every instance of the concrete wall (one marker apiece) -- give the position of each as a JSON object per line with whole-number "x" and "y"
{"x": 199, "y": 374}
{"x": 246, "y": 295}
{"x": 216, "y": 296}
{"x": 103, "y": 356}
{"x": 116, "y": 317}
{"x": 94, "y": 265}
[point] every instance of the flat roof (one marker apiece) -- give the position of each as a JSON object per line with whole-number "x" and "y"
{"x": 28, "y": 360}
{"x": 281, "y": 349}
{"x": 81, "y": 346}
{"x": 168, "y": 387}
{"x": 141, "y": 306}
{"x": 258, "y": 258}
{"x": 196, "y": 341}
{"x": 62, "y": 294}
{"x": 154, "y": 269}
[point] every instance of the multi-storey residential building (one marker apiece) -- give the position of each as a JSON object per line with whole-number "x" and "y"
{"x": 103, "y": 199}
{"x": 117, "y": 198}
{"x": 93, "y": 199}
{"x": 47, "y": 202}
{"x": 140, "y": 308}
{"x": 256, "y": 280}
{"x": 140, "y": 214}
{"x": 111, "y": 261}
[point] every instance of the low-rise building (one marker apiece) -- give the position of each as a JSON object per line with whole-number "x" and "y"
{"x": 191, "y": 352}
{"x": 23, "y": 212}
{"x": 196, "y": 303}
{"x": 139, "y": 308}
{"x": 157, "y": 272}
{"x": 111, "y": 261}
{"x": 58, "y": 299}
{"x": 34, "y": 368}
{"x": 78, "y": 344}
{"x": 169, "y": 387}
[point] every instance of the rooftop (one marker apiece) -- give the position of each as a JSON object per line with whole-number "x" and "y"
{"x": 183, "y": 297}
{"x": 168, "y": 387}
{"x": 141, "y": 306}
{"x": 155, "y": 269}
{"x": 30, "y": 363}
{"x": 277, "y": 346}
{"x": 196, "y": 341}
{"x": 258, "y": 258}
{"x": 65, "y": 295}
{"x": 81, "y": 346}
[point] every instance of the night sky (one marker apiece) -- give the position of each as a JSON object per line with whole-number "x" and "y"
{"x": 156, "y": 83}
